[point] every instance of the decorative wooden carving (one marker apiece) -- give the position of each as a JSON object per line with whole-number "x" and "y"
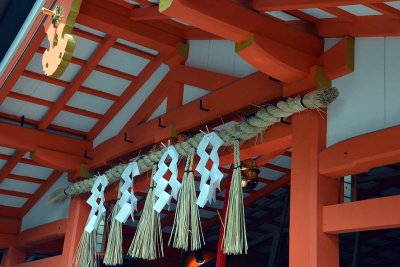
{"x": 58, "y": 29}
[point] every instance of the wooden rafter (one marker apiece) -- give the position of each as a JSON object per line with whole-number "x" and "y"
{"x": 129, "y": 92}
{"x": 10, "y": 165}
{"x": 77, "y": 81}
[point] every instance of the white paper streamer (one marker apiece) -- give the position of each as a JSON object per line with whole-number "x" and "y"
{"x": 164, "y": 198}
{"x": 214, "y": 175}
{"x": 98, "y": 209}
{"x": 128, "y": 201}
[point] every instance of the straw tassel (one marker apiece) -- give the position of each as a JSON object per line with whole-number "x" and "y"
{"x": 114, "y": 254}
{"x": 187, "y": 218}
{"x": 147, "y": 243}
{"x": 235, "y": 240}
{"x": 86, "y": 255}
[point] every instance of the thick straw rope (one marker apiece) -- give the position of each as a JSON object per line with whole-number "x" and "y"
{"x": 246, "y": 130}
{"x": 235, "y": 240}
{"x": 147, "y": 243}
{"x": 187, "y": 217}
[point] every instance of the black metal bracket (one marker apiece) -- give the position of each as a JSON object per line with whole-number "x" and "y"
{"x": 285, "y": 122}
{"x": 22, "y": 120}
{"x": 159, "y": 123}
{"x": 203, "y": 108}
{"x": 126, "y": 139}
{"x": 86, "y": 156}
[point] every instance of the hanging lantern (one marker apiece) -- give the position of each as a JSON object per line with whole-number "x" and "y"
{"x": 250, "y": 171}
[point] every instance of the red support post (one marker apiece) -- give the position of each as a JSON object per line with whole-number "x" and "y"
{"x": 14, "y": 256}
{"x": 310, "y": 192}
{"x": 78, "y": 215}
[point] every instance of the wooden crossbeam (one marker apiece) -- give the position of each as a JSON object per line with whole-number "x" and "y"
{"x": 115, "y": 20}
{"x": 189, "y": 116}
{"x": 129, "y": 92}
{"x": 10, "y": 165}
{"x": 357, "y": 155}
{"x": 365, "y": 215}
{"x": 271, "y": 46}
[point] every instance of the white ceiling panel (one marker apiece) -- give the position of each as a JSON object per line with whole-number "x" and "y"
{"x": 191, "y": 93}
{"x": 125, "y": 62}
{"x": 7, "y": 151}
{"x": 32, "y": 171}
{"x": 318, "y": 13}
{"x": 282, "y": 161}
{"x": 218, "y": 56}
{"x": 360, "y": 10}
{"x": 90, "y": 103}
{"x": 22, "y": 108}
{"x": 2, "y": 163}
{"x": 270, "y": 174}
{"x": 38, "y": 89}
{"x": 35, "y": 65}
{"x": 118, "y": 122}
{"x": 89, "y": 30}
{"x": 106, "y": 83}
{"x": 19, "y": 186}
{"x": 12, "y": 201}
{"x": 162, "y": 109}
{"x": 137, "y": 46}
{"x": 394, "y": 4}
{"x": 282, "y": 15}
{"x": 74, "y": 121}
{"x": 84, "y": 48}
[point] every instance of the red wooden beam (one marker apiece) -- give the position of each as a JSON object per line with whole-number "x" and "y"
{"x": 10, "y": 225}
{"x": 27, "y": 139}
{"x": 175, "y": 96}
{"x": 115, "y": 20}
{"x": 365, "y": 215}
{"x": 385, "y": 10}
{"x": 15, "y": 193}
{"x": 340, "y": 13}
{"x": 204, "y": 79}
{"x": 61, "y": 83}
{"x": 271, "y": 46}
{"x": 366, "y": 26}
{"x": 151, "y": 103}
{"x": 46, "y": 103}
{"x": 25, "y": 178}
{"x": 43, "y": 233}
{"x": 10, "y": 165}
{"x": 190, "y": 116}
{"x": 265, "y": 5}
{"x": 149, "y": 13}
{"x": 77, "y": 81}
{"x": 357, "y": 155}
{"x": 54, "y": 176}
{"x": 22, "y": 58}
{"x": 129, "y": 92}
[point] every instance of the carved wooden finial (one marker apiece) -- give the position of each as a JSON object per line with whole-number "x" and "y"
{"x": 58, "y": 29}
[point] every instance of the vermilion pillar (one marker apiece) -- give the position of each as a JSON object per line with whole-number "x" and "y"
{"x": 78, "y": 215}
{"x": 310, "y": 191}
{"x": 14, "y": 256}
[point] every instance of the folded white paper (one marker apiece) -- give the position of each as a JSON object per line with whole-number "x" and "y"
{"x": 210, "y": 179}
{"x": 128, "y": 201}
{"x": 96, "y": 201}
{"x": 164, "y": 198}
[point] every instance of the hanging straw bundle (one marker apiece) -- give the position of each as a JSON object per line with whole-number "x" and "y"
{"x": 147, "y": 243}
{"x": 187, "y": 217}
{"x": 235, "y": 240}
{"x": 114, "y": 253}
{"x": 86, "y": 255}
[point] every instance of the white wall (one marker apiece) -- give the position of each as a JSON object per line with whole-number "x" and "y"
{"x": 43, "y": 212}
{"x": 370, "y": 97}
